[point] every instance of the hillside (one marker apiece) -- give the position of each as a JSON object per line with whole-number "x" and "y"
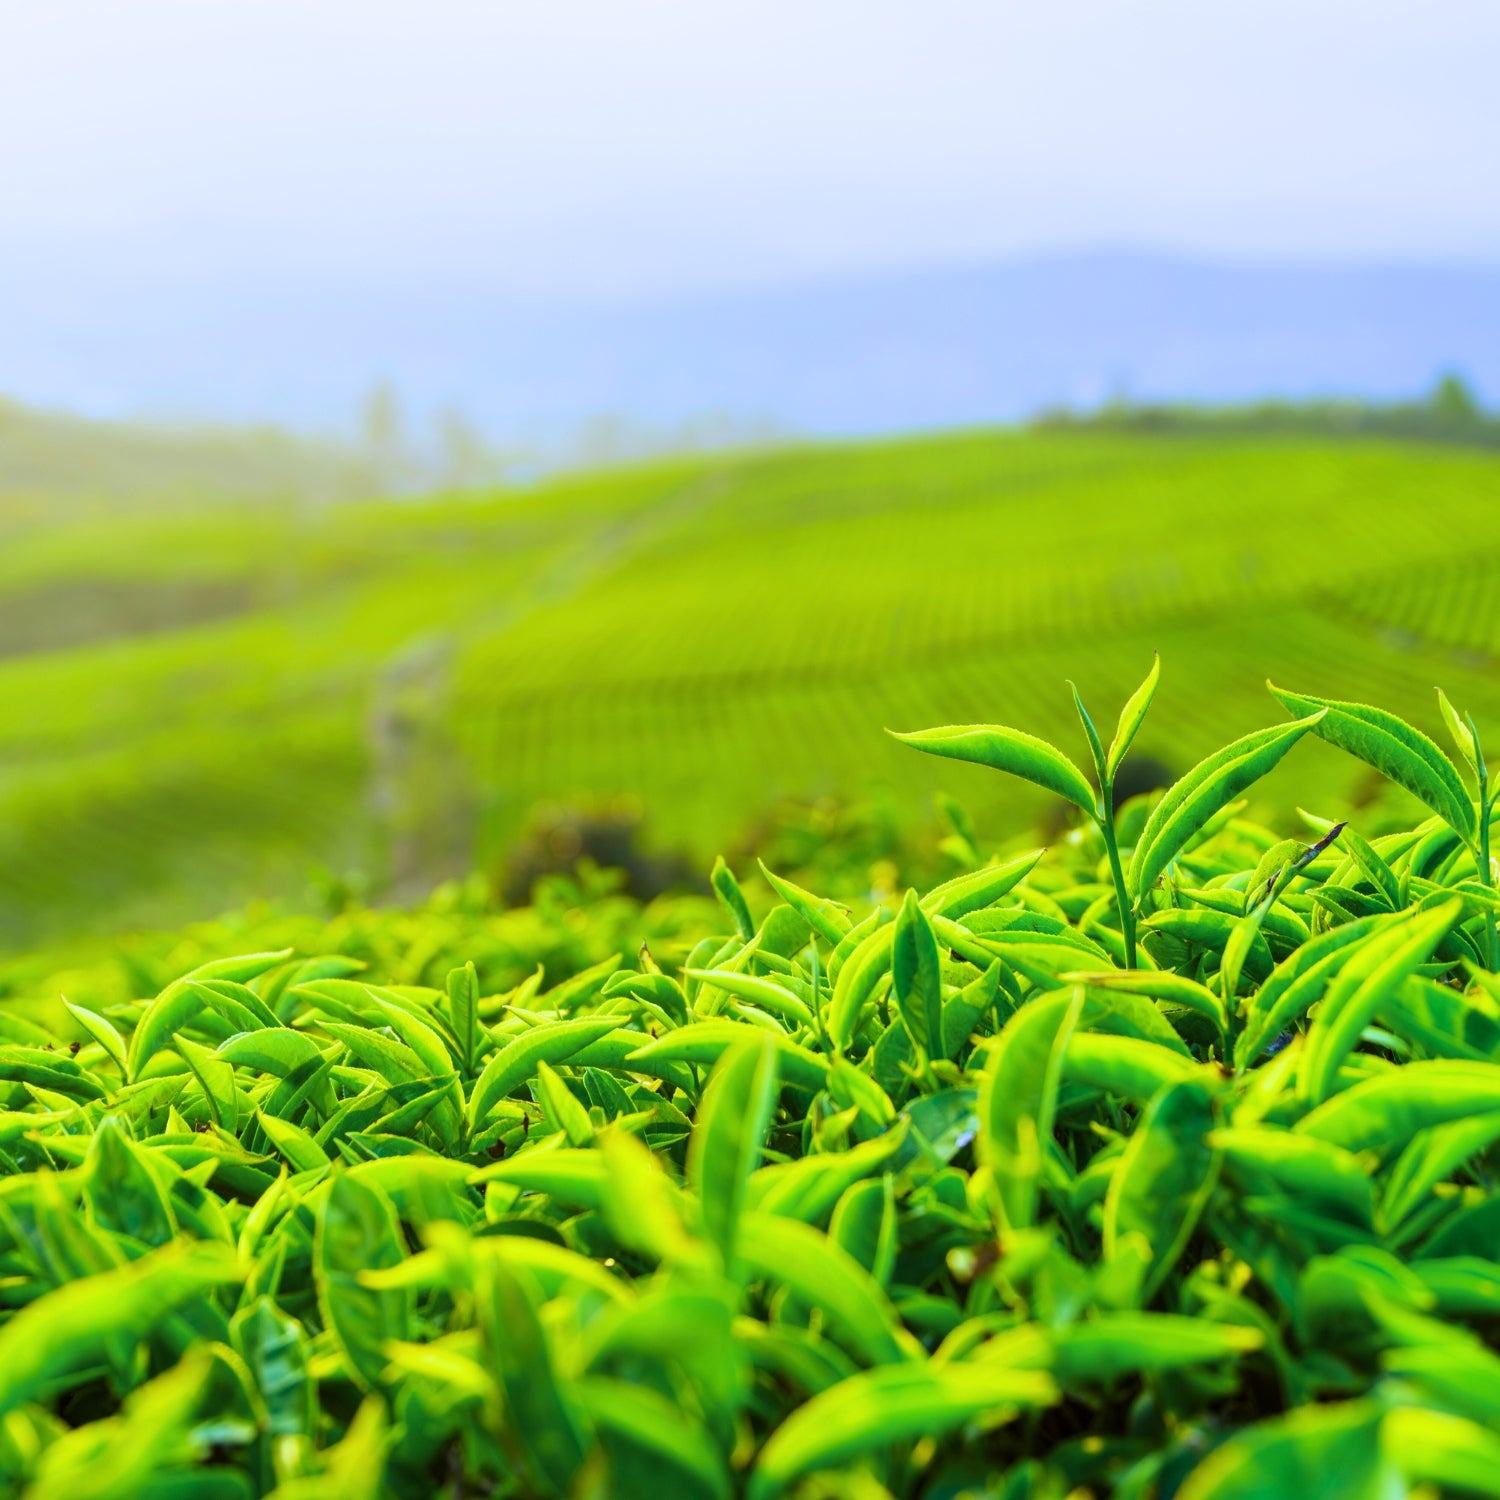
{"x": 52, "y": 461}
{"x": 204, "y": 705}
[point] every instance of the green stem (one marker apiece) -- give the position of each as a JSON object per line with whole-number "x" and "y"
{"x": 1122, "y": 898}
{"x": 1486, "y": 874}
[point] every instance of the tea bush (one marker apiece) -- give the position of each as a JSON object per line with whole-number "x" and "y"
{"x": 1159, "y": 1162}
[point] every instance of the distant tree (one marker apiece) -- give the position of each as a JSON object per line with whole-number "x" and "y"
{"x": 383, "y": 435}
{"x": 1453, "y": 399}
{"x": 465, "y": 459}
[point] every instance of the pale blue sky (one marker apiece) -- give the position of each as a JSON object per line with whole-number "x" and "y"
{"x": 838, "y": 215}
{"x": 583, "y": 148}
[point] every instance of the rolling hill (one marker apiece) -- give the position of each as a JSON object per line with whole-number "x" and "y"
{"x": 203, "y": 705}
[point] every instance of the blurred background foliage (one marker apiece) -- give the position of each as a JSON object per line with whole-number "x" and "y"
{"x": 228, "y": 672}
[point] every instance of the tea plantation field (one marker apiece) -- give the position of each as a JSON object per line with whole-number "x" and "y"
{"x": 200, "y": 705}
{"x": 1112, "y": 1144}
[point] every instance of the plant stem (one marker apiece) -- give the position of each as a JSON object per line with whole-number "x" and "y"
{"x": 1122, "y": 898}
{"x": 1486, "y": 874}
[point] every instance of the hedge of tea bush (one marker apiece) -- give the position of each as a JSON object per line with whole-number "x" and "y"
{"x": 1160, "y": 1162}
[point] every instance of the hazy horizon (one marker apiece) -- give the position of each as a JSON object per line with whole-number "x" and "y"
{"x": 860, "y": 354}
{"x": 257, "y": 212}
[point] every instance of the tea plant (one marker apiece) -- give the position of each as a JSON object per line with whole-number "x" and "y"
{"x": 1180, "y": 814}
{"x": 1157, "y": 1163}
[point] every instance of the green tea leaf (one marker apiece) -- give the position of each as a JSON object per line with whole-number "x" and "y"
{"x": 576, "y": 1178}
{"x": 1365, "y": 983}
{"x": 357, "y": 1231}
{"x": 671, "y": 1443}
{"x": 1308, "y": 1171}
{"x": 215, "y": 1077}
{"x": 1010, "y": 750}
{"x": 237, "y": 1003}
{"x": 878, "y": 1408}
{"x": 463, "y": 1009}
{"x": 561, "y": 1106}
{"x": 179, "y": 1003}
{"x": 1430, "y": 1156}
{"x": 643, "y": 1207}
{"x": 917, "y": 976}
{"x": 102, "y": 1032}
{"x": 825, "y": 1276}
{"x": 1124, "y": 1065}
{"x": 827, "y": 918}
{"x": 852, "y": 1088}
{"x": 864, "y": 1224}
{"x": 1193, "y": 799}
{"x": 866, "y": 965}
{"x": 729, "y": 1134}
{"x": 1373, "y": 867}
{"x": 1317, "y": 1453}
{"x": 1018, "y": 1099}
{"x": 67, "y": 1331}
{"x": 1295, "y": 984}
{"x": 755, "y": 989}
{"x": 146, "y": 1449}
{"x": 1159, "y": 984}
{"x": 516, "y": 1062}
{"x": 1394, "y": 748}
{"x": 1164, "y": 1180}
{"x": 1090, "y": 733}
{"x": 732, "y": 899}
{"x": 40, "y": 1068}
{"x": 808, "y": 1188}
{"x": 1437, "y": 1448}
{"x": 538, "y": 1414}
{"x": 280, "y": 1052}
{"x": 123, "y": 1193}
{"x": 977, "y": 889}
{"x": 1463, "y": 736}
{"x": 705, "y": 1042}
{"x": 353, "y": 1468}
{"x": 1100, "y": 1350}
{"x": 1391, "y": 1107}
{"x": 1131, "y": 718}
{"x": 295, "y": 1144}
{"x": 968, "y": 1008}
{"x": 274, "y": 1347}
